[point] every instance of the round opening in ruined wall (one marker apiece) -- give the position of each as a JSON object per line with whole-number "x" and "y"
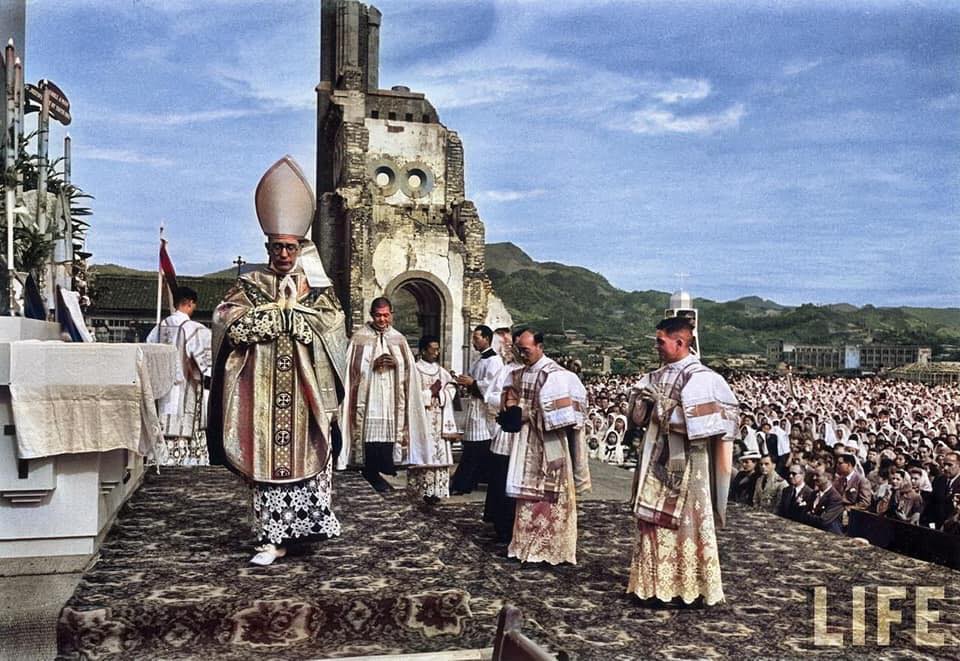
{"x": 417, "y": 180}
{"x": 383, "y": 173}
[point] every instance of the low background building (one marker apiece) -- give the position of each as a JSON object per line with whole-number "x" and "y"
{"x": 124, "y": 305}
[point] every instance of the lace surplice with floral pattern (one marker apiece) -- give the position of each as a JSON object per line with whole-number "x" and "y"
{"x": 296, "y": 512}
{"x": 545, "y": 531}
{"x": 428, "y": 482}
{"x": 685, "y": 562}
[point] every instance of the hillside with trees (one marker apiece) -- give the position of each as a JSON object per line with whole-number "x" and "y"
{"x": 559, "y": 298}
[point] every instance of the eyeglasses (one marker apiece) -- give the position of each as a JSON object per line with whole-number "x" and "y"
{"x": 278, "y": 248}
{"x": 795, "y": 473}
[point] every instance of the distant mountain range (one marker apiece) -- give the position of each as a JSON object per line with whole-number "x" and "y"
{"x": 558, "y": 298}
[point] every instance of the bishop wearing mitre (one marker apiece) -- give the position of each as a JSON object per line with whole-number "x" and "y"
{"x": 279, "y": 342}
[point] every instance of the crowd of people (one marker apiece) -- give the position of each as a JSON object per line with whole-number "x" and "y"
{"x": 812, "y": 448}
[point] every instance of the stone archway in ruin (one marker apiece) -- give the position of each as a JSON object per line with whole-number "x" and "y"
{"x": 422, "y": 306}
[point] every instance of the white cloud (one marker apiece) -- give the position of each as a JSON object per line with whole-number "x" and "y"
{"x": 796, "y": 67}
{"x": 509, "y": 195}
{"x": 278, "y": 86}
{"x": 497, "y": 73}
{"x": 684, "y": 89}
{"x": 451, "y": 92}
{"x": 655, "y": 121}
{"x": 123, "y": 156}
{"x": 183, "y": 118}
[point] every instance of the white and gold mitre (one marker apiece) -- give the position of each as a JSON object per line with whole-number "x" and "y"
{"x": 284, "y": 199}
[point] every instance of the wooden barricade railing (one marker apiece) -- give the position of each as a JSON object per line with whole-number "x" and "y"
{"x": 915, "y": 541}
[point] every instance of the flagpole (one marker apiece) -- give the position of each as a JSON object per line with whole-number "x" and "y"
{"x": 10, "y": 156}
{"x": 159, "y": 277}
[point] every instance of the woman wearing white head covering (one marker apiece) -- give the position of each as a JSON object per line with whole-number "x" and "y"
{"x": 924, "y": 485}
{"x": 783, "y": 438}
{"x": 609, "y": 418}
{"x": 612, "y": 449}
{"x": 599, "y": 423}
{"x": 749, "y": 436}
{"x": 593, "y": 447}
{"x": 829, "y": 433}
{"x": 620, "y": 425}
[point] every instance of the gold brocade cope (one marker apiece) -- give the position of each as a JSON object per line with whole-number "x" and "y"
{"x": 276, "y": 379}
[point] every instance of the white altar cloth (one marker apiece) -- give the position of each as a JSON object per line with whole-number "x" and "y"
{"x": 74, "y": 397}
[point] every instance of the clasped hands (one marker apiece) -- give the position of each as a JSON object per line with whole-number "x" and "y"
{"x": 384, "y": 362}
{"x": 287, "y": 294}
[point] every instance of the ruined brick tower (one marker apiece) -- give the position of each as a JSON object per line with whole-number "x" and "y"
{"x": 392, "y": 217}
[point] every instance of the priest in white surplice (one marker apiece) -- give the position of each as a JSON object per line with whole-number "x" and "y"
{"x": 384, "y": 420}
{"x": 437, "y": 390}
{"x": 483, "y": 386}
{"x": 183, "y": 409}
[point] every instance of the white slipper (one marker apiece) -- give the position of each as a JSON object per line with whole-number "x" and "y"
{"x": 267, "y": 554}
{"x": 263, "y": 558}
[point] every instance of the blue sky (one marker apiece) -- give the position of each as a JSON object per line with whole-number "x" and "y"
{"x": 799, "y": 151}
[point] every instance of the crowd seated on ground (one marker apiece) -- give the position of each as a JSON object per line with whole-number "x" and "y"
{"x": 814, "y": 448}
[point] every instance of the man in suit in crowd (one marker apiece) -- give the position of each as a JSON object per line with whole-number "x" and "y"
{"x": 854, "y": 488}
{"x": 796, "y": 498}
{"x": 945, "y": 487}
{"x": 827, "y": 508}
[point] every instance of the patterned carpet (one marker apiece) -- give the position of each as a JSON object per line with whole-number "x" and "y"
{"x": 173, "y": 583}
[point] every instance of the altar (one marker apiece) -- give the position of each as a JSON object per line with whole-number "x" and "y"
{"x": 76, "y": 420}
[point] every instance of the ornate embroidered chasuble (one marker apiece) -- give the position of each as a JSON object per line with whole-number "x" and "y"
{"x": 682, "y": 483}
{"x": 277, "y": 377}
{"x": 545, "y": 526}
